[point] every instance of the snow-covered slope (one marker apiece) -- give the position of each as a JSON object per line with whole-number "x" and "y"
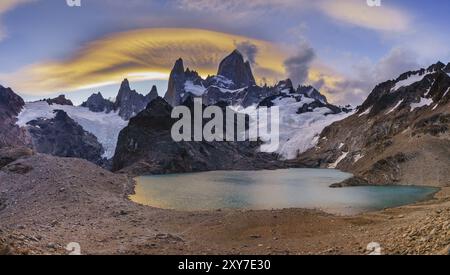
{"x": 105, "y": 127}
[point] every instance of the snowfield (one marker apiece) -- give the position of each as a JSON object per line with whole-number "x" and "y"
{"x": 421, "y": 103}
{"x": 395, "y": 107}
{"x": 196, "y": 90}
{"x": 298, "y": 132}
{"x": 106, "y": 127}
{"x": 407, "y": 82}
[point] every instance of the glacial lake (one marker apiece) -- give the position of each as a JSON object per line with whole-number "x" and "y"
{"x": 267, "y": 189}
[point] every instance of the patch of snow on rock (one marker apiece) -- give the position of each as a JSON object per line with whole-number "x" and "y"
{"x": 395, "y": 107}
{"x": 357, "y": 157}
{"x": 409, "y": 81}
{"x": 366, "y": 112}
{"x": 421, "y": 103}
{"x": 336, "y": 163}
{"x": 196, "y": 90}
{"x": 446, "y": 92}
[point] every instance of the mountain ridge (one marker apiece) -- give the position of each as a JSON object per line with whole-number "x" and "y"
{"x": 128, "y": 102}
{"x": 399, "y": 135}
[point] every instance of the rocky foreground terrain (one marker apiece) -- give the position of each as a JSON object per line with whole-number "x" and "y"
{"x": 42, "y": 210}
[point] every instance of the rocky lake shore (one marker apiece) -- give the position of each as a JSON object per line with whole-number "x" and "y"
{"x": 64, "y": 200}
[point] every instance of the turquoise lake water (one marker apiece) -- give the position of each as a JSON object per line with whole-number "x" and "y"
{"x": 267, "y": 189}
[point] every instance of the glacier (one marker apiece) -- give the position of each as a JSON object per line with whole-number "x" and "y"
{"x": 105, "y": 126}
{"x": 298, "y": 132}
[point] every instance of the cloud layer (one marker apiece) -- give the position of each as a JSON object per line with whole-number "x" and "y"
{"x": 144, "y": 54}
{"x": 354, "y": 12}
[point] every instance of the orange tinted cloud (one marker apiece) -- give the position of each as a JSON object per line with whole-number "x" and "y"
{"x": 140, "y": 55}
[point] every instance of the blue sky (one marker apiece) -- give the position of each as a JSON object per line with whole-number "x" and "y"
{"x": 343, "y": 47}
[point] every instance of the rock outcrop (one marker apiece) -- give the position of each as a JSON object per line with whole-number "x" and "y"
{"x": 97, "y": 103}
{"x": 145, "y": 146}
{"x": 399, "y": 135}
{"x": 60, "y": 100}
{"x": 10, "y": 106}
{"x": 63, "y": 137}
{"x": 312, "y": 92}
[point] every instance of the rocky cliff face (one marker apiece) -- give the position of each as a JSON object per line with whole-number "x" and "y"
{"x": 146, "y": 146}
{"x": 176, "y": 83}
{"x": 400, "y": 134}
{"x": 63, "y": 137}
{"x": 238, "y": 71}
{"x": 10, "y": 106}
{"x": 183, "y": 83}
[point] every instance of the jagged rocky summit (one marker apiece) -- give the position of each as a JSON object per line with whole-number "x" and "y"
{"x": 234, "y": 80}
{"x": 234, "y": 84}
{"x": 128, "y": 102}
{"x": 238, "y": 71}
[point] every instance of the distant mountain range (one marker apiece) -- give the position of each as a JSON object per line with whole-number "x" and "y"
{"x": 128, "y": 102}
{"x": 403, "y": 123}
